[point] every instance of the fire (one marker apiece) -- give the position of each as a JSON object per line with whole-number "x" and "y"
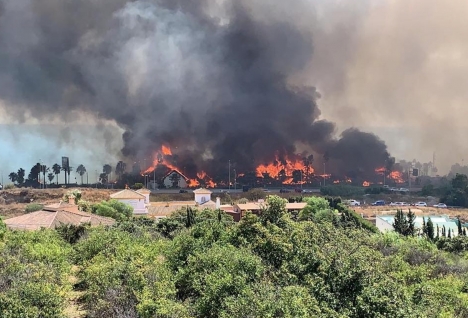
{"x": 201, "y": 175}
{"x": 192, "y": 183}
{"x": 166, "y": 150}
{"x": 366, "y": 184}
{"x": 397, "y": 176}
{"x": 284, "y": 169}
{"x": 348, "y": 180}
{"x": 336, "y": 181}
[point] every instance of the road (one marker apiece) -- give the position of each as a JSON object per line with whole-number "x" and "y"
{"x": 272, "y": 190}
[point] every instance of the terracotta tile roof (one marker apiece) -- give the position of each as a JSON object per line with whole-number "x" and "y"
{"x": 53, "y": 219}
{"x": 127, "y": 194}
{"x": 143, "y": 191}
{"x": 202, "y": 191}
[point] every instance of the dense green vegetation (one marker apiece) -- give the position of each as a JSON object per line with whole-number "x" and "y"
{"x": 324, "y": 262}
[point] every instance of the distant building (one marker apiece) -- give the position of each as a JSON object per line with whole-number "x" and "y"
{"x": 385, "y": 223}
{"x": 257, "y": 207}
{"x": 55, "y": 215}
{"x": 138, "y": 201}
{"x": 175, "y": 179}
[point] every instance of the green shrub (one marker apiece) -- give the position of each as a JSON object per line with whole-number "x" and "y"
{"x": 342, "y": 190}
{"x": 33, "y": 207}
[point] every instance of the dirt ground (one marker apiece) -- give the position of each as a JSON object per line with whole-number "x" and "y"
{"x": 13, "y": 202}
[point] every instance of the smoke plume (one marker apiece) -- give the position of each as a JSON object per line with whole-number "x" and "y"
{"x": 214, "y": 80}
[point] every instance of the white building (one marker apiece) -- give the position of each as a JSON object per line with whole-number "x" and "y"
{"x": 202, "y": 195}
{"x": 385, "y": 223}
{"x": 175, "y": 179}
{"x": 137, "y": 201}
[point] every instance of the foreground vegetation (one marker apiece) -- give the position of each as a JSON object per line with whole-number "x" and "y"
{"x": 318, "y": 263}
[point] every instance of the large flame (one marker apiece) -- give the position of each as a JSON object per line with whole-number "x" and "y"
{"x": 161, "y": 159}
{"x": 284, "y": 170}
{"x": 366, "y": 184}
{"x": 395, "y": 175}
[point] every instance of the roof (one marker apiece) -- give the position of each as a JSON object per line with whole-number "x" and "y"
{"x": 176, "y": 171}
{"x": 208, "y": 203}
{"x": 127, "y": 194}
{"x": 61, "y": 206}
{"x": 144, "y": 191}
{"x": 166, "y": 208}
{"x": 53, "y": 219}
{"x": 202, "y": 191}
{"x": 261, "y": 205}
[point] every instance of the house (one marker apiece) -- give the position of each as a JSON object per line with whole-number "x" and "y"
{"x": 385, "y": 223}
{"x": 55, "y": 215}
{"x": 202, "y": 200}
{"x": 257, "y": 207}
{"x": 138, "y": 201}
{"x": 146, "y": 193}
{"x": 175, "y": 179}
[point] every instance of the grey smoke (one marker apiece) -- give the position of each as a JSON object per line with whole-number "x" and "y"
{"x": 212, "y": 79}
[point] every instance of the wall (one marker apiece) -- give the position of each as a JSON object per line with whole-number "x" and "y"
{"x": 202, "y": 198}
{"x": 168, "y": 183}
{"x": 138, "y": 205}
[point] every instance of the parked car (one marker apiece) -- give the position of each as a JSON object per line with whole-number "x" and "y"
{"x": 420, "y": 204}
{"x": 298, "y": 190}
{"x": 266, "y": 190}
{"x": 393, "y": 203}
{"x": 182, "y": 191}
{"x": 378, "y": 203}
{"x": 354, "y": 203}
{"x": 306, "y": 191}
{"x": 440, "y": 206}
{"x": 284, "y": 191}
{"x": 403, "y": 190}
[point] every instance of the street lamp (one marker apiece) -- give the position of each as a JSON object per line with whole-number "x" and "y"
{"x": 229, "y": 165}
{"x": 235, "y": 180}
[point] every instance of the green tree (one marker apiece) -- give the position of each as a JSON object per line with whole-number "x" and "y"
{"x": 174, "y": 178}
{"x": 81, "y": 170}
{"x": 103, "y": 178}
{"x": 256, "y": 194}
{"x": 400, "y": 222}
{"x": 459, "y": 226}
{"x": 13, "y": 177}
{"x": 51, "y": 177}
{"x": 274, "y": 210}
{"x": 410, "y": 222}
{"x": 190, "y": 221}
{"x": 437, "y": 234}
{"x": 56, "y": 168}
{"x": 424, "y": 227}
{"x": 449, "y": 233}
{"x": 20, "y": 176}
{"x": 430, "y": 229}
{"x": 113, "y": 209}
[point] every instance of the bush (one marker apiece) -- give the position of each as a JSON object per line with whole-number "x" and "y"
{"x": 256, "y": 194}
{"x": 9, "y": 187}
{"x": 33, "y": 207}
{"x": 113, "y": 209}
{"x": 138, "y": 186}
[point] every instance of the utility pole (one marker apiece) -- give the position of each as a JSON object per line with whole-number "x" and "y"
{"x": 229, "y": 165}
{"x": 96, "y": 179}
{"x": 235, "y": 180}
{"x": 324, "y": 176}
{"x": 154, "y": 178}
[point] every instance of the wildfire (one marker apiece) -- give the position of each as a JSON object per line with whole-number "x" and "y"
{"x": 366, "y": 184}
{"x": 284, "y": 169}
{"x": 336, "y": 181}
{"x": 395, "y": 175}
{"x": 166, "y": 150}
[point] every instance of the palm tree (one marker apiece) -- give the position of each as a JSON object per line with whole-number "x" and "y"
{"x": 107, "y": 169}
{"x": 51, "y": 177}
{"x": 70, "y": 169}
{"x": 13, "y": 177}
{"x": 20, "y": 176}
{"x": 44, "y": 169}
{"x": 81, "y": 170}
{"x": 120, "y": 168}
{"x": 56, "y": 169}
{"x": 103, "y": 177}
{"x": 64, "y": 169}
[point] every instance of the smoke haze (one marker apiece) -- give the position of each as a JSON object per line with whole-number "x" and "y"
{"x": 235, "y": 80}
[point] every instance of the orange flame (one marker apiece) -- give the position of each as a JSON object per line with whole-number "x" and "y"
{"x": 166, "y": 150}
{"x": 283, "y": 169}
{"x": 366, "y": 184}
{"x": 336, "y": 181}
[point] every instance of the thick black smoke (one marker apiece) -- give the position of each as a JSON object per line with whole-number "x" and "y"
{"x": 208, "y": 78}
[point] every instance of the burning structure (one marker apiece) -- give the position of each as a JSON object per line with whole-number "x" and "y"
{"x": 195, "y": 86}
